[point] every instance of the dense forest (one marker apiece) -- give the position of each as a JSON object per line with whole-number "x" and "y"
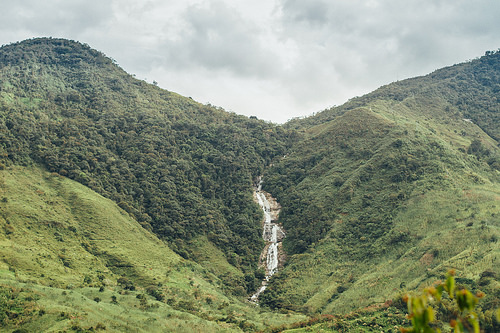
{"x": 180, "y": 168}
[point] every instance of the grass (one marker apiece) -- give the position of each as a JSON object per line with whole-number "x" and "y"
{"x": 437, "y": 238}
{"x": 380, "y": 233}
{"x": 382, "y": 318}
{"x": 70, "y": 251}
{"x": 68, "y": 310}
{"x": 74, "y": 231}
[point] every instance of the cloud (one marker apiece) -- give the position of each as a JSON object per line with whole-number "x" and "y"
{"x": 216, "y": 37}
{"x": 55, "y": 17}
{"x": 313, "y": 12}
{"x": 272, "y": 58}
{"x": 363, "y": 44}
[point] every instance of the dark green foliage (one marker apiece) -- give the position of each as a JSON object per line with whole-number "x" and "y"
{"x": 180, "y": 168}
{"x": 125, "y": 283}
{"x": 16, "y": 306}
{"x": 477, "y": 148}
{"x": 155, "y": 292}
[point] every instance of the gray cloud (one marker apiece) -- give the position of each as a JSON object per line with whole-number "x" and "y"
{"x": 363, "y": 44}
{"x": 274, "y": 59}
{"x": 55, "y": 17}
{"x": 217, "y": 37}
{"x": 313, "y": 12}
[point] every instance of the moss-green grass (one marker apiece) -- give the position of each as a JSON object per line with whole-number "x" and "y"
{"x": 61, "y": 243}
{"x": 64, "y": 231}
{"x": 443, "y": 213}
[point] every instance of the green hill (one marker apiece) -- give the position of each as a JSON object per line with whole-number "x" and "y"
{"x": 390, "y": 191}
{"x": 72, "y": 259}
{"x": 127, "y": 207}
{"x": 182, "y": 169}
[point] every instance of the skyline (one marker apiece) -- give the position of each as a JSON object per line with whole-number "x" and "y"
{"x": 272, "y": 59}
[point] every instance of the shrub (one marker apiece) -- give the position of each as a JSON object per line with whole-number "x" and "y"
{"x": 100, "y": 326}
{"x": 125, "y": 283}
{"x": 463, "y": 318}
{"x": 155, "y": 292}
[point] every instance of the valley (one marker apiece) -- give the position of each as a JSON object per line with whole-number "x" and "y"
{"x": 126, "y": 207}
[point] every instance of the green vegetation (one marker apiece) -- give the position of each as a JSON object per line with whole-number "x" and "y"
{"x": 182, "y": 169}
{"x": 464, "y": 317}
{"x": 72, "y": 258}
{"x": 443, "y": 306}
{"x": 390, "y": 191}
{"x": 125, "y": 207}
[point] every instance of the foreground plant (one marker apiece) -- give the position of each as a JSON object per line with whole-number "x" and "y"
{"x": 422, "y": 313}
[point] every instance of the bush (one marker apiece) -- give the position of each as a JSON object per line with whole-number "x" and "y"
{"x": 155, "y": 292}
{"x": 100, "y": 326}
{"x": 463, "y": 316}
{"x": 125, "y": 283}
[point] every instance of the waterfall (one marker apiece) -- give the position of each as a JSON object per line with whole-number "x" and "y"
{"x": 272, "y": 234}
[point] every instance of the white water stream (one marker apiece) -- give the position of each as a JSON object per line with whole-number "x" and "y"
{"x": 272, "y": 234}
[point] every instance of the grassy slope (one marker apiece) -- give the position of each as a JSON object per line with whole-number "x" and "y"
{"x": 60, "y": 242}
{"x": 181, "y": 168}
{"x": 386, "y": 197}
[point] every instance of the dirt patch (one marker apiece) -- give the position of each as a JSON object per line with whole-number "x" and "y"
{"x": 427, "y": 259}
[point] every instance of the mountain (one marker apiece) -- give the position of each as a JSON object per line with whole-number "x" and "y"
{"x": 391, "y": 190}
{"x": 182, "y": 169}
{"x": 127, "y": 207}
{"x": 163, "y": 219}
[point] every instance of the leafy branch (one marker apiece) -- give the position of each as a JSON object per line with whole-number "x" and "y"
{"x": 422, "y": 313}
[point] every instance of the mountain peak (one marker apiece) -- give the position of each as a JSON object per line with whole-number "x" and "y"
{"x": 49, "y": 50}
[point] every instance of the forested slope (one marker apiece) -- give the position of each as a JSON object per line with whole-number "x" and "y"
{"x": 182, "y": 169}
{"x": 391, "y": 190}
{"x": 71, "y": 260}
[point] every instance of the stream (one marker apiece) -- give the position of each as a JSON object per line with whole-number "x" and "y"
{"x": 272, "y": 233}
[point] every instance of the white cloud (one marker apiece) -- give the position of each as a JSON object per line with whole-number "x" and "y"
{"x": 53, "y": 17}
{"x": 274, "y": 59}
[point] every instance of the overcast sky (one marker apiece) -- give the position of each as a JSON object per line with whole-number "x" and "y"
{"x": 275, "y": 59}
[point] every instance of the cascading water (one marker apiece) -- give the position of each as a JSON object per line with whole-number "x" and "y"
{"x": 272, "y": 234}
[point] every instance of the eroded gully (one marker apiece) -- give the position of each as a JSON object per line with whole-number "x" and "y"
{"x": 272, "y": 233}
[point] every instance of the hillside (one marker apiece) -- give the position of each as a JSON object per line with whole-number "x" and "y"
{"x": 182, "y": 169}
{"x": 128, "y": 206}
{"x": 390, "y": 191}
{"x": 73, "y": 259}
{"x": 468, "y": 90}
